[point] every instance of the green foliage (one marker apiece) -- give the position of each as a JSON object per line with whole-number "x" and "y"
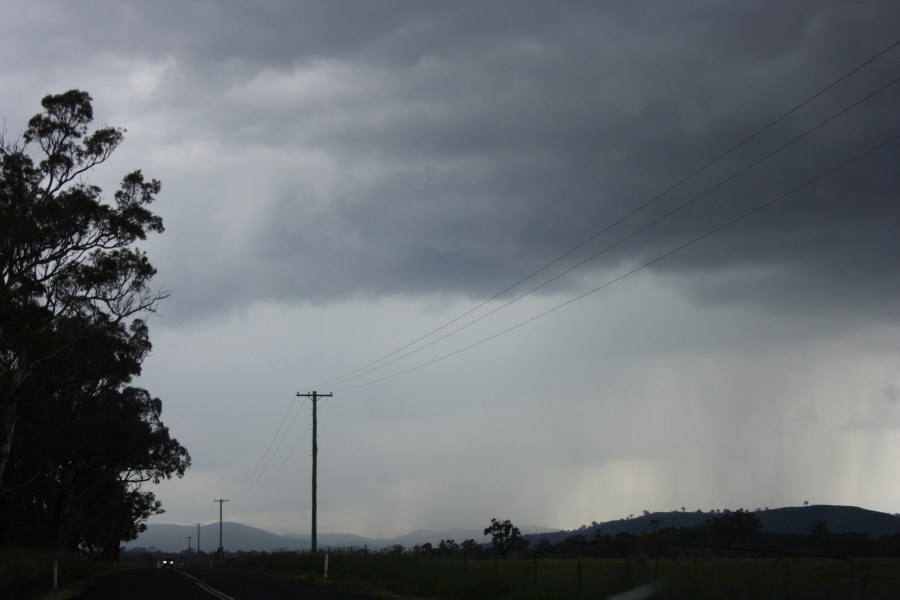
{"x": 77, "y": 440}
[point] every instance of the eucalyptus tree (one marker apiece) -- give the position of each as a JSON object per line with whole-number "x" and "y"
{"x": 77, "y": 439}
{"x": 66, "y": 251}
{"x": 88, "y": 440}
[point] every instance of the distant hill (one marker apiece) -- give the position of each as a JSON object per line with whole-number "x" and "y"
{"x": 840, "y": 519}
{"x": 342, "y": 540}
{"x": 235, "y": 536}
{"x": 413, "y": 538}
{"x": 792, "y": 520}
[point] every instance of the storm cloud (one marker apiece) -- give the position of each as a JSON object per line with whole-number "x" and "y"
{"x": 346, "y": 176}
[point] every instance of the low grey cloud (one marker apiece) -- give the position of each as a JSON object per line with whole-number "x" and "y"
{"x": 469, "y": 146}
{"x": 461, "y": 157}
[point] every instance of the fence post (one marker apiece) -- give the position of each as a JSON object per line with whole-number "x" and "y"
{"x": 326, "y": 565}
{"x": 55, "y": 574}
{"x": 579, "y": 573}
{"x": 859, "y": 578}
{"x": 787, "y": 579}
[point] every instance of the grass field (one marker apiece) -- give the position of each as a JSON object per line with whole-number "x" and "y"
{"x": 547, "y": 578}
{"x": 27, "y": 573}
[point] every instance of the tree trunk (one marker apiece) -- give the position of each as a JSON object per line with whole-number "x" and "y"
{"x": 6, "y": 437}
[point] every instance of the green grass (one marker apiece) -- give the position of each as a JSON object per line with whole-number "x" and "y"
{"x": 400, "y": 576}
{"x": 28, "y": 574}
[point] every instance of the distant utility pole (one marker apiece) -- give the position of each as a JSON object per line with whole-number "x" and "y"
{"x": 198, "y": 537}
{"x": 189, "y": 543}
{"x": 315, "y": 453}
{"x": 221, "y": 552}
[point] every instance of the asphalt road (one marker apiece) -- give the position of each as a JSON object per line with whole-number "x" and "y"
{"x": 153, "y": 584}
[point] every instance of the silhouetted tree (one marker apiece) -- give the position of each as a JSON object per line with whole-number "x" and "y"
{"x": 449, "y": 548}
{"x": 732, "y": 527}
{"x": 77, "y": 440}
{"x": 86, "y": 445}
{"x": 64, "y": 252}
{"x": 425, "y": 549}
{"x": 544, "y": 547}
{"x": 575, "y": 545}
{"x": 819, "y": 528}
{"x": 471, "y": 547}
{"x": 505, "y": 537}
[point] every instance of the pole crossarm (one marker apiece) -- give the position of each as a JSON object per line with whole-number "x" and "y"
{"x": 314, "y": 395}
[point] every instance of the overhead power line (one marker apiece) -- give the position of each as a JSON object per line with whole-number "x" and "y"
{"x": 643, "y": 266}
{"x": 350, "y": 375}
{"x": 280, "y": 466}
{"x": 267, "y": 456}
{"x": 384, "y": 363}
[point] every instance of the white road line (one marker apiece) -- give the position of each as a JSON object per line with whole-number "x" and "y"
{"x": 638, "y": 593}
{"x": 206, "y": 588}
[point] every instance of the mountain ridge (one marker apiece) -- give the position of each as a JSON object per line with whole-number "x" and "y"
{"x": 169, "y": 537}
{"x": 784, "y": 520}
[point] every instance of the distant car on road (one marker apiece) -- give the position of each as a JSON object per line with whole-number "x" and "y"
{"x": 165, "y": 564}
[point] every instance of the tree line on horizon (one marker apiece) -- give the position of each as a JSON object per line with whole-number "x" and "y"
{"x": 78, "y": 440}
{"x": 736, "y": 533}
{"x": 739, "y": 531}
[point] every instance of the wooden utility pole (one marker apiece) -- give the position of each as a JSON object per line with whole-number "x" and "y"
{"x": 221, "y": 552}
{"x": 315, "y": 453}
{"x": 198, "y": 537}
